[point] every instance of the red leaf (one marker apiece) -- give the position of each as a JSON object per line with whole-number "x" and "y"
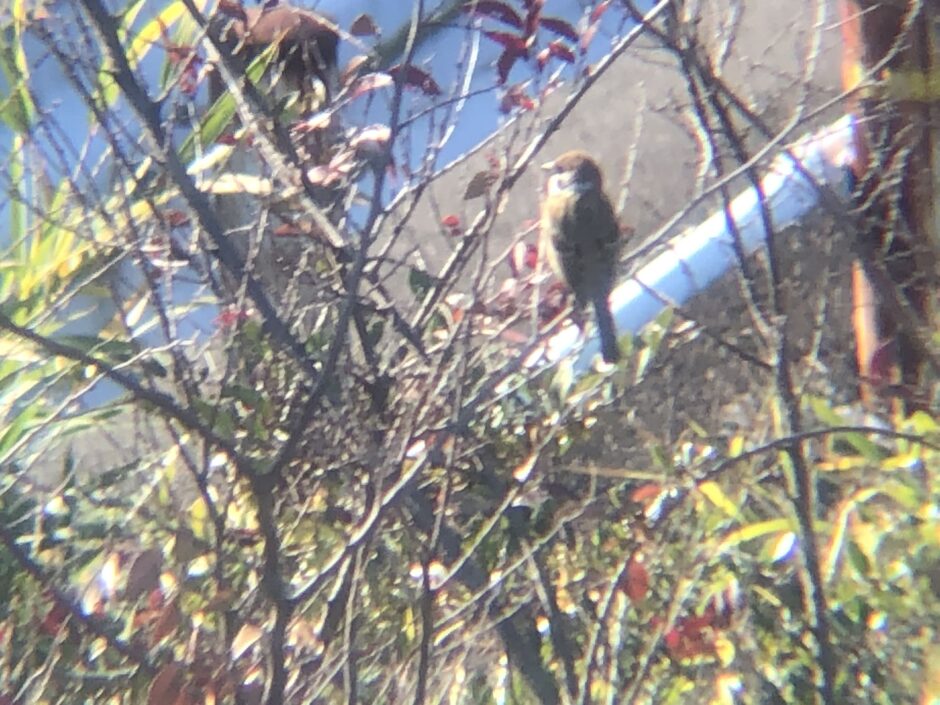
{"x": 691, "y": 636}
{"x": 587, "y": 37}
{"x": 599, "y": 10}
{"x": 516, "y": 97}
{"x": 287, "y": 230}
{"x": 531, "y": 256}
{"x": 532, "y": 19}
{"x": 504, "y": 64}
{"x": 175, "y": 218}
{"x": 523, "y": 256}
{"x": 452, "y": 223}
{"x": 560, "y": 50}
{"x": 363, "y": 26}
{"x": 416, "y": 78}
{"x": 557, "y": 49}
{"x": 511, "y": 42}
{"x": 230, "y": 316}
{"x": 560, "y": 27}
{"x": 497, "y": 10}
{"x": 636, "y": 580}
{"x": 54, "y": 619}
{"x": 233, "y": 9}
{"x": 645, "y": 492}
{"x": 169, "y": 619}
{"x": 151, "y": 611}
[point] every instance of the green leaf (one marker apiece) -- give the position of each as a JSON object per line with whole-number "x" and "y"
{"x": 15, "y": 428}
{"x": 756, "y": 530}
{"x": 563, "y": 380}
{"x": 16, "y": 108}
{"x": 420, "y": 282}
{"x": 716, "y": 496}
{"x": 18, "y": 214}
{"x": 219, "y": 116}
{"x": 825, "y": 413}
{"x": 149, "y": 36}
{"x": 643, "y": 361}
{"x": 857, "y": 559}
{"x": 247, "y": 396}
{"x": 923, "y": 423}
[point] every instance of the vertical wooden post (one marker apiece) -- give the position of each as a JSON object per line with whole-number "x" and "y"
{"x": 891, "y": 59}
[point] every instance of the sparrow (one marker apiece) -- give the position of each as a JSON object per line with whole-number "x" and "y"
{"x": 304, "y": 74}
{"x": 580, "y": 238}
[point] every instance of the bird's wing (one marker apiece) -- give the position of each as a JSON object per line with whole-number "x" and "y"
{"x": 598, "y": 246}
{"x": 607, "y": 229}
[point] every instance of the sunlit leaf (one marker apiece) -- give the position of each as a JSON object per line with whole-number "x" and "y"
{"x": 826, "y": 414}
{"x": 149, "y": 36}
{"x": 781, "y": 547}
{"x": 218, "y": 118}
{"x": 16, "y": 107}
{"x": 247, "y": 636}
{"x": 524, "y": 469}
{"x": 716, "y": 496}
{"x": 756, "y": 530}
{"x": 199, "y": 519}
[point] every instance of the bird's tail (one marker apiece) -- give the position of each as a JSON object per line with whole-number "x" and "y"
{"x": 606, "y": 330}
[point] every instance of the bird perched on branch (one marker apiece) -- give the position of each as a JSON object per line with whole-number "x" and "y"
{"x": 580, "y": 237}
{"x": 307, "y": 48}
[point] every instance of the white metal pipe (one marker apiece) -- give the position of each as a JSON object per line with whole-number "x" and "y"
{"x": 694, "y": 259}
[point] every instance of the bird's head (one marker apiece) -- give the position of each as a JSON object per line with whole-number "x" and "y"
{"x": 574, "y": 172}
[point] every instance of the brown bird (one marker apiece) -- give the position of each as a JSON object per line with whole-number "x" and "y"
{"x": 580, "y": 237}
{"x": 307, "y": 49}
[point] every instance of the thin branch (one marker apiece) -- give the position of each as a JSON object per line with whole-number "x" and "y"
{"x": 149, "y": 113}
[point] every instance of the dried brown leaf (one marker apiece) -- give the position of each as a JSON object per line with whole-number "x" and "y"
{"x": 364, "y": 26}
{"x": 479, "y": 185}
{"x": 144, "y": 574}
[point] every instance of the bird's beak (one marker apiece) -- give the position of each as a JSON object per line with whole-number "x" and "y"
{"x": 547, "y": 166}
